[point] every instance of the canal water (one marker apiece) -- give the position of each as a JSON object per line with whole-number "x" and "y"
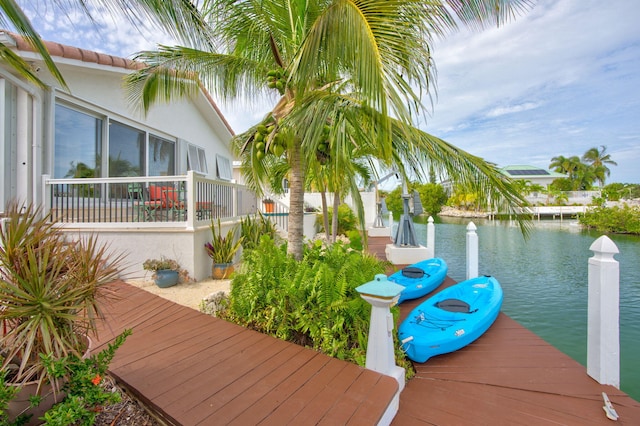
{"x": 545, "y": 281}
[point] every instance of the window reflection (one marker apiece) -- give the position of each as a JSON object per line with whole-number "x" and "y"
{"x": 78, "y": 143}
{"x": 162, "y": 154}
{"x": 126, "y": 150}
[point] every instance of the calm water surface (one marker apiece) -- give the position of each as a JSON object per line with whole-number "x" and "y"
{"x": 545, "y": 281}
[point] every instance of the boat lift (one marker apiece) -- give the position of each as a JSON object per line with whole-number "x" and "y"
{"x": 406, "y": 233}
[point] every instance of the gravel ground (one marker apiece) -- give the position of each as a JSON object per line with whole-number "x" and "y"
{"x": 187, "y": 294}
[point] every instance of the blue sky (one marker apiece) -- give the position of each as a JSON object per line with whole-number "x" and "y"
{"x": 558, "y": 80}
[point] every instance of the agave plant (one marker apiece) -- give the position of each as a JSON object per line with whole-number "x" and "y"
{"x": 49, "y": 291}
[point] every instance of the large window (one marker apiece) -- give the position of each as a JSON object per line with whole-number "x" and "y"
{"x": 162, "y": 156}
{"x": 126, "y": 150}
{"x": 78, "y": 144}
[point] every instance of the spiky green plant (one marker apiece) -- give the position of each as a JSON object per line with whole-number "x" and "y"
{"x": 252, "y": 228}
{"x": 49, "y": 291}
{"x": 221, "y": 248}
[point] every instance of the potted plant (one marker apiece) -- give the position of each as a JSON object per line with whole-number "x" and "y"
{"x": 222, "y": 250}
{"x": 49, "y": 292}
{"x": 165, "y": 271}
{"x": 269, "y": 205}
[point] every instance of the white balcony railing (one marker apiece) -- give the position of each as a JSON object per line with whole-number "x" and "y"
{"x": 187, "y": 201}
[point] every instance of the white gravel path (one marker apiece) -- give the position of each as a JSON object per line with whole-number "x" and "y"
{"x": 187, "y": 294}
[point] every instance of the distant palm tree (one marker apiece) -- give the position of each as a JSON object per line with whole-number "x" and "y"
{"x": 566, "y": 165}
{"x": 598, "y": 159}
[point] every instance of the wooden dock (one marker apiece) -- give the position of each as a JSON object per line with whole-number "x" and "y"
{"x": 194, "y": 369}
{"x": 509, "y": 376}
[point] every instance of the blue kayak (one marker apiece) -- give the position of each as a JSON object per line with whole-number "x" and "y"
{"x": 451, "y": 319}
{"x": 420, "y": 278}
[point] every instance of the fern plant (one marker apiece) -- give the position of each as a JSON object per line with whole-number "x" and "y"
{"x": 313, "y": 302}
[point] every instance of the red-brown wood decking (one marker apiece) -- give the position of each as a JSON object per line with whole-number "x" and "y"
{"x": 193, "y": 369}
{"x": 196, "y": 369}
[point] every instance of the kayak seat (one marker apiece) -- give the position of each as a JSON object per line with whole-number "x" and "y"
{"x": 413, "y": 272}
{"x": 454, "y": 305}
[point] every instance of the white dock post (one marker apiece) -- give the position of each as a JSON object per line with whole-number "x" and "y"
{"x": 431, "y": 238}
{"x": 382, "y": 295}
{"x": 472, "y": 251}
{"x": 603, "y": 334}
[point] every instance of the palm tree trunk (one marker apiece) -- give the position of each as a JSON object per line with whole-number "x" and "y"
{"x": 334, "y": 224}
{"x": 296, "y": 202}
{"x": 325, "y": 215}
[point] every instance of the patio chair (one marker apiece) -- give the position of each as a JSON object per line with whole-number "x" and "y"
{"x": 147, "y": 207}
{"x": 171, "y": 201}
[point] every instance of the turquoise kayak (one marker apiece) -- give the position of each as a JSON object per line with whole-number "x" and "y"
{"x": 451, "y": 319}
{"x": 420, "y": 278}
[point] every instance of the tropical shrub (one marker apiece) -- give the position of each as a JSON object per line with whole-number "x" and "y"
{"x": 347, "y": 220}
{"x": 50, "y": 291}
{"x": 622, "y": 220}
{"x": 616, "y": 191}
{"x": 221, "y": 248}
{"x": 252, "y": 228}
{"x": 83, "y": 389}
{"x": 312, "y": 302}
{"x": 432, "y": 197}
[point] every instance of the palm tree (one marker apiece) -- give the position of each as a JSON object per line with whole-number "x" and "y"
{"x": 12, "y": 15}
{"x": 598, "y": 159}
{"x": 177, "y": 17}
{"x": 346, "y": 65}
{"x": 562, "y": 164}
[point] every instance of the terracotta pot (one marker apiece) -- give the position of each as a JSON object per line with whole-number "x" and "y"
{"x": 221, "y": 271}
{"x": 269, "y": 207}
{"x": 20, "y": 404}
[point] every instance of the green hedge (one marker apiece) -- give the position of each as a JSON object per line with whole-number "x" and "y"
{"x": 622, "y": 220}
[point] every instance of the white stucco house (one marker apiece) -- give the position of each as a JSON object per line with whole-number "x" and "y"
{"x": 147, "y": 185}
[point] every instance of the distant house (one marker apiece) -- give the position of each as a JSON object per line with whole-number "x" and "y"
{"x": 533, "y": 174}
{"x": 148, "y": 185}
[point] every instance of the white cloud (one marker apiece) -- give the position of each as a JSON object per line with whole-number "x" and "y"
{"x": 498, "y": 111}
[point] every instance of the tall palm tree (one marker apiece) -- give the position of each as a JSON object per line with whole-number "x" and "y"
{"x": 598, "y": 159}
{"x": 562, "y": 164}
{"x": 370, "y": 60}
